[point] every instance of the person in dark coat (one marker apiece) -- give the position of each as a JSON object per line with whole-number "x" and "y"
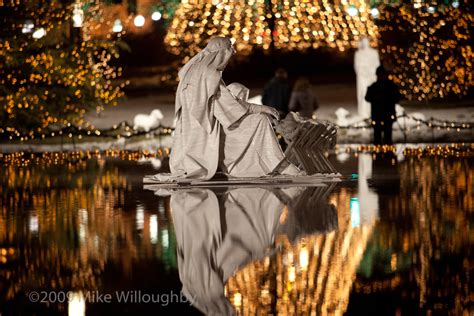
{"x": 382, "y": 96}
{"x": 276, "y": 92}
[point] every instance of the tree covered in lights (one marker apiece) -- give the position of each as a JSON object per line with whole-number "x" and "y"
{"x": 51, "y": 70}
{"x": 428, "y": 48}
{"x": 280, "y": 24}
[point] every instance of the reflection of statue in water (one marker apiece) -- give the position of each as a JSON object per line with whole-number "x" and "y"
{"x": 366, "y": 61}
{"x": 218, "y": 234}
{"x": 368, "y": 198}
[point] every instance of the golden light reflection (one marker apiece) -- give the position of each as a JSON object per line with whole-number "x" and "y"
{"x": 318, "y": 281}
{"x": 437, "y": 202}
{"x": 420, "y": 246}
{"x": 60, "y": 225}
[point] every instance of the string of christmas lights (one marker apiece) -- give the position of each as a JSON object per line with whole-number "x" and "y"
{"x": 432, "y": 123}
{"x": 459, "y": 150}
{"x": 125, "y": 130}
{"x": 121, "y": 130}
{"x": 57, "y": 158}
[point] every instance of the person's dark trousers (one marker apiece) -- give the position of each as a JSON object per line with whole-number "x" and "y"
{"x": 378, "y": 133}
{"x": 387, "y": 132}
{"x": 386, "y": 129}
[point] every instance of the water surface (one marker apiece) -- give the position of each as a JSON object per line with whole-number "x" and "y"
{"x": 394, "y": 237}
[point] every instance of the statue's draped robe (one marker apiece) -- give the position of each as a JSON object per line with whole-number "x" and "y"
{"x": 242, "y": 144}
{"x": 214, "y": 128}
{"x": 217, "y": 236}
{"x": 366, "y": 61}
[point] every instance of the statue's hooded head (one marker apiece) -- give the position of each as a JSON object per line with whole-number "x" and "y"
{"x": 215, "y": 56}
{"x": 364, "y": 43}
{"x": 204, "y": 72}
{"x": 224, "y": 50}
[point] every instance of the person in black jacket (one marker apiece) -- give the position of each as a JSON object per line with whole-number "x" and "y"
{"x": 276, "y": 92}
{"x": 382, "y": 96}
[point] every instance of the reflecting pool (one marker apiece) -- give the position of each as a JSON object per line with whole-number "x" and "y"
{"x": 82, "y": 237}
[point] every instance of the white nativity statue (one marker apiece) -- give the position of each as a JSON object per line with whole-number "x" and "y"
{"x": 216, "y": 129}
{"x": 366, "y": 61}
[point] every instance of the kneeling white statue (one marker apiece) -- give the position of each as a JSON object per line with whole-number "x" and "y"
{"x": 218, "y": 129}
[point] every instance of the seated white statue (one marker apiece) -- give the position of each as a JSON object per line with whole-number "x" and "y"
{"x": 216, "y": 129}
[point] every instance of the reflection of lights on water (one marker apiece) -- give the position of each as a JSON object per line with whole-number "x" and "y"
{"x": 393, "y": 262}
{"x": 153, "y": 229}
{"x": 76, "y": 304}
{"x": 140, "y": 217}
{"x": 304, "y": 258}
{"x": 292, "y": 274}
{"x": 237, "y": 299}
{"x": 83, "y": 220}
{"x": 161, "y": 206}
{"x": 288, "y": 259}
{"x": 165, "y": 238}
{"x": 283, "y": 215}
{"x": 33, "y": 224}
{"x": 355, "y": 212}
{"x": 83, "y": 216}
{"x": 266, "y": 262}
{"x": 4, "y": 252}
{"x": 82, "y": 233}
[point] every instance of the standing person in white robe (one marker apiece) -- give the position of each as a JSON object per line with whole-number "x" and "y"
{"x": 366, "y": 61}
{"x": 214, "y": 129}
